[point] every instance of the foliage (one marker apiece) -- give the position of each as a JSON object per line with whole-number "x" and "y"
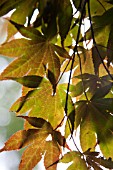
{"x": 41, "y": 57}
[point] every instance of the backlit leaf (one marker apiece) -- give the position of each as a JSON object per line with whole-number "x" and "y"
{"x": 32, "y": 57}
{"x": 75, "y": 158}
{"x": 101, "y": 92}
{"x": 59, "y": 138}
{"x": 109, "y": 47}
{"x": 87, "y": 133}
{"x": 28, "y": 162}
{"x": 93, "y": 164}
{"x": 101, "y": 123}
{"x": 23, "y": 138}
{"x": 51, "y": 155}
{"x": 50, "y": 109}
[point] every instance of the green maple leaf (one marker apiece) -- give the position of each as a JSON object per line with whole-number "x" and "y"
{"x": 41, "y": 103}
{"x": 90, "y": 115}
{"x": 75, "y": 158}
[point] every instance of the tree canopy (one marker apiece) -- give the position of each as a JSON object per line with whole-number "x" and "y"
{"x": 56, "y": 46}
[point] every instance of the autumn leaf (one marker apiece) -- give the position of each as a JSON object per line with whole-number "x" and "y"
{"x": 35, "y": 141}
{"x": 51, "y": 155}
{"x": 33, "y": 56}
{"x": 87, "y": 133}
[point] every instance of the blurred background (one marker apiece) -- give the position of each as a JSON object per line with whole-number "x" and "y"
{"x": 9, "y": 124}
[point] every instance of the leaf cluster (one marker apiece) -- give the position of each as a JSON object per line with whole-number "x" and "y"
{"x": 41, "y": 58}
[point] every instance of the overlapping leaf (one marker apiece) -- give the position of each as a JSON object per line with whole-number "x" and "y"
{"x": 8, "y": 5}
{"x": 92, "y": 83}
{"x": 20, "y": 14}
{"x": 64, "y": 18}
{"x": 96, "y": 114}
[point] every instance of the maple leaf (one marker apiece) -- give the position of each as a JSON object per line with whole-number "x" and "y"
{"x": 75, "y": 158}
{"x": 92, "y": 83}
{"x": 99, "y": 121}
{"x": 41, "y": 103}
{"x": 51, "y": 155}
{"x": 33, "y": 55}
{"x": 35, "y": 141}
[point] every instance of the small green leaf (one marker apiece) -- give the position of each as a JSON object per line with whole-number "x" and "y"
{"x": 28, "y": 32}
{"x": 75, "y": 158}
